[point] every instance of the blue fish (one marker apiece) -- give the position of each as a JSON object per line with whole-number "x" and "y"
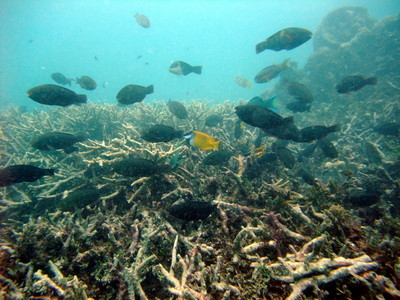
{"x": 267, "y": 103}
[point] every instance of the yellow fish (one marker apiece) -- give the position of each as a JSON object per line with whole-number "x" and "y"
{"x": 243, "y": 82}
{"x": 202, "y": 141}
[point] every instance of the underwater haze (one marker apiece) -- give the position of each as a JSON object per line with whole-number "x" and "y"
{"x": 101, "y": 39}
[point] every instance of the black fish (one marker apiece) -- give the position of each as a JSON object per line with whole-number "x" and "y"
{"x": 354, "y": 83}
{"x": 160, "y": 133}
{"x": 51, "y": 94}
{"x": 308, "y": 151}
{"x": 306, "y": 175}
{"x": 299, "y": 91}
{"x": 182, "y": 68}
{"x": 312, "y": 133}
{"x": 79, "y": 199}
{"x": 298, "y": 106}
{"x": 362, "y": 198}
{"x": 191, "y": 210}
{"x": 327, "y": 148}
{"x": 61, "y": 79}
{"x": 22, "y": 173}
{"x": 140, "y": 167}
{"x": 218, "y": 158}
{"x": 86, "y": 83}
{"x": 56, "y": 140}
{"x": 371, "y": 152}
{"x": 285, "y": 155}
{"x": 284, "y": 132}
{"x": 177, "y": 109}
{"x": 288, "y": 38}
{"x": 213, "y": 120}
{"x": 390, "y": 128}
{"x": 271, "y": 72}
{"x": 261, "y": 117}
{"x": 131, "y": 94}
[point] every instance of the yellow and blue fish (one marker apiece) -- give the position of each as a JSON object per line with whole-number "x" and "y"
{"x": 202, "y": 141}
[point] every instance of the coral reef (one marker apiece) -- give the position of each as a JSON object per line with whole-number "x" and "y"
{"x": 270, "y": 234}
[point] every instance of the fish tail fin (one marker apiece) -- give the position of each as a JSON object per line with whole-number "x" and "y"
{"x": 287, "y": 63}
{"x": 81, "y": 99}
{"x": 248, "y": 85}
{"x": 150, "y": 89}
{"x": 334, "y": 128}
{"x": 216, "y": 145}
{"x": 372, "y": 80}
{"x": 260, "y": 47}
{"x": 197, "y": 69}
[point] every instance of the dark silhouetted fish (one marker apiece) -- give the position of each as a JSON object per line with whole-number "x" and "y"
{"x": 327, "y": 148}
{"x": 261, "y": 117}
{"x": 271, "y": 72}
{"x": 284, "y": 132}
{"x": 182, "y": 68}
{"x": 299, "y": 91}
{"x": 22, "y": 173}
{"x": 177, "y": 109}
{"x": 309, "y": 134}
{"x": 79, "y": 199}
{"x": 307, "y": 152}
{"x": 284, "y": 154}
{"x": 354, "y": 83}
{"x": 191, "y": 210}
{"x": 218, "y": 158}
{"x": 61, "y": 79}
{"x": 288, "y": 38}
{"x": 51, "y": 94}
{"x": 160, "y": 133}
{"x": 243, "y": 82}
{"x": 86, "y": 83}
{"x": 142, "y": 20}
{"x": 140, "y": 167}
{"x": 213, "y": 120}
{"x": 306, "y": 175}
{"x": 362, "y": 199}
{"x": 390, "y": 128}
{"x": 131, "y": 93}
{"x": 56, "y": 140}
{"x": 298, "y": 106}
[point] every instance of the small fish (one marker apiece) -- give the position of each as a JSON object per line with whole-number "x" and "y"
{"x": 191, "y": 210}
{"x": 213, "y": 120}
{"x": 266, "y": 103}
{"x": 202, "y": 141}
{"x": 260, "y": 117}
{"x": 22, "y": 173}
{"x": 327, "y": 148}
{"x": 142, "y": 20}
{"x": 131, "y": 94}
{"x": 177, "y": 109}
{"x": 311, "y": 133}
{"x": 61, "y": 79}
{"x": 51, "y": 94}
{"x": 299, "y": 91}
{"x": 86, "y": 83}
{"x": 55, "y": 141}
{"x": 288, "y": 39}
{"x": 285, "y": 155}
{"x": 354, "y": 83}
{"x": 390, "y": 128}
{"x": 257, "y": 152}
{"x": 138, "y": 167}
{"x": 298, "y": 106}
{"x": 270, "y": 72}
{"x": 182, "y": 68}
{"x": 218, "y": 158}
{"x": 243, "y": 82}
{"x": 160, "y": 133}
{"x": 306, "y": 175}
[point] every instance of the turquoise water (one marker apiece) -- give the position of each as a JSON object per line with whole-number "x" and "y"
{"x": 102, "y": 39}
